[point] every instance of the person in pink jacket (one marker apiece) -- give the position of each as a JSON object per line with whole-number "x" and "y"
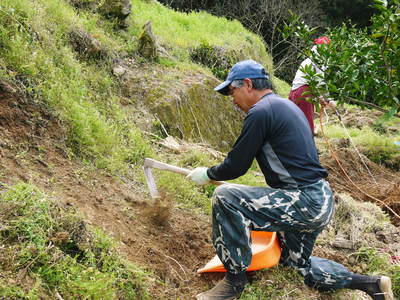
{"x": 299, "y": 94}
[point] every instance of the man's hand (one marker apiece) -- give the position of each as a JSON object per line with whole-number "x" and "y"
{"x": 332, "y": 104}
{"x": 199, "y": 176}
{"x": 327, "y": 102}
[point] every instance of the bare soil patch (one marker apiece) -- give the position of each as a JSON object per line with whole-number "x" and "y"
{"x": 363, "y": 179}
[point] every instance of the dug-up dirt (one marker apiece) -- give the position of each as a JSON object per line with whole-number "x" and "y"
{"x": 171, "y": 242}
{"x": 353, "y": 173}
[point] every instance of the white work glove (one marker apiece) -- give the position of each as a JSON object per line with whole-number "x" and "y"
{"x": 199, "y": 176}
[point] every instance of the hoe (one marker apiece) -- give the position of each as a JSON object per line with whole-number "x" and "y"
{"x": 265, "y": 245}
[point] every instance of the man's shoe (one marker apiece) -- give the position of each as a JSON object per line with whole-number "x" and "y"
{"x": 385, "y": 289}
{"x": 224, "y": 290}
{"x": 378, "y": 287}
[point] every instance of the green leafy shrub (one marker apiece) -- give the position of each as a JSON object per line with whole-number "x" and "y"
{"x": 362, "y": 65}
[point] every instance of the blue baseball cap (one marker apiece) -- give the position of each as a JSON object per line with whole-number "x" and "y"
{"x": 241, "y": 70}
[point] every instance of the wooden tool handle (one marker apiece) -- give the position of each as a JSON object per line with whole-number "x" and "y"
{"x": 152, "y": 163}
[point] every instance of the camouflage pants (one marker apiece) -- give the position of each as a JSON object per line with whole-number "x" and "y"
{"x": 297, "y": 215}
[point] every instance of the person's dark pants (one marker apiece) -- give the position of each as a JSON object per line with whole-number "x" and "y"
{"x": 297, "y": 215}
{"x": 299, "y": 96}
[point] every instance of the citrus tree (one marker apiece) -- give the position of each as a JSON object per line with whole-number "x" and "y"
{"x": 361, "y": 65}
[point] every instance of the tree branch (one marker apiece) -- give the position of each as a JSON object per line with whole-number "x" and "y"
{"x": 370, "y": 105}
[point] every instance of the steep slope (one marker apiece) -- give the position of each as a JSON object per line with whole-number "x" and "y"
{"x": 166, "y": 239}
{"x": 78, "y": 128}
{"x": 172, "y": 242}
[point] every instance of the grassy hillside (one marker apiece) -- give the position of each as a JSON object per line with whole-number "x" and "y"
{"x": 73, "y": 143}
{"x": 37, "y": 54}
{"x": 55, "y": 250}
{"x": 180, "y": 31}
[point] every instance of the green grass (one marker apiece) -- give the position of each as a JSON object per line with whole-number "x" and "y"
{"x": 84, "y": 264}
{"x": 394, "y": 273}
{"x": 281, "y": 87}
{"x": 379, "y": 263}
{"x": 182, "y": 31}
{"x": 377, "y": 147}
{"x": 374, "y": 260}
{"x": 184, "y": 192}
{"x": 278, "y": 283}
{"x": 37, "y": 54}
{"x": 34, "y": 44}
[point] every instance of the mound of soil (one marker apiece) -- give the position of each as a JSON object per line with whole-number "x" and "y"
{"x": 353, "y": 173}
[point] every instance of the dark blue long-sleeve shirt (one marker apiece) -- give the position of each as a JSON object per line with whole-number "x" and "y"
{"x": 276, "y": 133}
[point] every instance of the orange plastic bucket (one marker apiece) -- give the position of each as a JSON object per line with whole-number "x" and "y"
{"x": 265, "y": 249}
